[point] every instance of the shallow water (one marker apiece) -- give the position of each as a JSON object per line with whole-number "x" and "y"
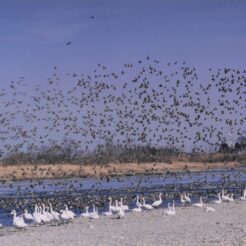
{"x": 79, "y": 192}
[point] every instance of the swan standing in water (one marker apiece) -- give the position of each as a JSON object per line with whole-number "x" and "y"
{"x": 157, "y": 203}
{"x": 18, "y": 222}
{"x": 147, "y": 206}
{"x": 199, "y": 204}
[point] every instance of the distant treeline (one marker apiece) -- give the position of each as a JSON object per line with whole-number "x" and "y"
{"x": 111, "y": 153}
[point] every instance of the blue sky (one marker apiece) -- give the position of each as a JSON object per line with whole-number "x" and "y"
{"x": 34, "y": 34}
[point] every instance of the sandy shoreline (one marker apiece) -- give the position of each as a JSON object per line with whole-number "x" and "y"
{"x": 190, "y": 226}
{"x": 41, "y": 171}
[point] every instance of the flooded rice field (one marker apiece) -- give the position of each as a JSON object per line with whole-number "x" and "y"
{"x": 78, "y": 193}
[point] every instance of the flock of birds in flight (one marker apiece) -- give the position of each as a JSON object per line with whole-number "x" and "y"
{"x": 44, "y": 214}
{"x": 141, "y": 104}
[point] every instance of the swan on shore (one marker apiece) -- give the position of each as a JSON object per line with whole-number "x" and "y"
{"x": 108, "y": 213}
{"x": 125, "y": 207}
{"x": 94, "y": 213}
{"x": 157, "y": 203}
{"x": 86, "y": 213}
{"x": 182, "y": 200}
{"x": 28, "y": 217}
{"x": 137, "y": 209}
{"x": 138, "y": 203}
{"x": 67, "y": 214}
{"x": 199, "y": 204}
{"x": 243, "y": 197}
{"x": 147, "y": 206}
{"x": 170, "y": 210}
{"x": 56, "y": 215}
{"x": 219, "y": 199}
{"x": 121, "y": 213}
{"x": 187, "y": 198}
{"x": 226, "y": 198}
{"x": 18, "y": 221}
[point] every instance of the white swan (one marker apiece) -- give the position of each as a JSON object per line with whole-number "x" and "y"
{"x": 36, "y": 215}
{"x": 199, "y": 204}
{"x": 94, "y": 214}
{"x": 67, "y": 214}
{"x": 226, "y": 198}
{"x": 108, "y": 213}
{"x": 137, "y": 209}
{"x": 170, "y": 210}
{"x": 138, "y": 203}
{"x": 121, "y": 213}
{"x": 125, "y": 207}
{"x": 243, "y": 197}
{"x": 86, "y": 213}
{"x": 219, "y": 199}
{"x": 157, "y": 203}
{"x": 182, "y": 199}
{"x": 55, "y": 214}
{"x": 147, "y": 206}
{"x": 116, "y": 208}
{"x": 28, "y": 217}
{"x": 112, "y": 208}
{"x": 187, "y": 198}
{"x": 18, "y": 221}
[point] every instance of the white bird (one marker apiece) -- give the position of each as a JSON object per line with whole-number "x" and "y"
{"x": 182, "y": 199}
{"x": 86, "y": 213}
{"x": 36, "y": 215}
{"x": 18, "y": 221}
{"x": 170, "y": 210}
{"x": 112, "y": 208}
{"x": 147, "y": 206}
{"x": 226, "y": 198}
{"x": 108, "y": 213}
{"x": 199, "y": 204}
{"x": 121, "y": 213}
{"x": 67, "y": 214}
{"x": 243, "y": 197}
{"x": 116, "y": 208}
{"x": 209, "y": 209}
{"x": 125, "y": 207}
{"x": 55, "y": 214}
{"x": 187, "y": 198}
{"x": 157, "y": 203}
{"x": 219, "y": 199}
{"x": 138, "y": 203}
{"x": 94, "y": 214}
{"x": 27, "y": 216}
{"x": 137, "y": 209}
